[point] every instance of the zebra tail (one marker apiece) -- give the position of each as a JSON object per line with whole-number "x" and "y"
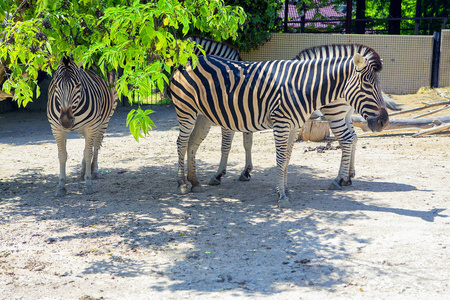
{"x": 391, "y": 104}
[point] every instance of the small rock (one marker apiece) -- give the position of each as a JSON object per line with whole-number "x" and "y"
{"x": 291, "y": 252}
{"x": 219, "y": 278}
{"x": 303, "y": 261}
{"x": 193, "y": 255}
{"x": 51, "y": 240}
{"x": 39, "y": 268}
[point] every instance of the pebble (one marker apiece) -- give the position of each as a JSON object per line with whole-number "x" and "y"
{"x": 219, "y": 278}
{"x": 51, "y": 240}
{"x": 39, "y": 268}
{"x": 291, "y": 252}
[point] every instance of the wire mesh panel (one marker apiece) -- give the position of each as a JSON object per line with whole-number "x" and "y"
{"x": 444, "y": 70}
{"x": 407, "y": 59}
{"x": 155, "y": 97}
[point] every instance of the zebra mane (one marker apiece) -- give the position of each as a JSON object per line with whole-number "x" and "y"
{"x": 66, "y": 60}
{"x": 67, "y": 67}
{"x": 210, "y": 48}
{"x": 342, "y": 50}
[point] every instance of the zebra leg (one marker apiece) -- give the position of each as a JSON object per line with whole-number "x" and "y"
{"x": 94, "y": 165}
{"x": 248, "y": 141}
{"x": 198, "y": 134}
{"x": 186, "y": 126}
{"x": 61, "y": 141}
{"x": 227, "y": 139}
{"x": 354, "y": 138}
{"x": 343, "y": 178}
{"x": 339, "y": 118}
{"x": 292, "y": 138}
{"x": 97, "y": 144}
{"x": 89, "y": 135}
{"x": 283, "y": 142}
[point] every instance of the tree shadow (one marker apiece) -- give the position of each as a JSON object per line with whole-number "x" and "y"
{"x": 34, "y": 125}
{"x": 222, "y": 239}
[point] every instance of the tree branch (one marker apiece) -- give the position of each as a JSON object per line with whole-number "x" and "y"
{"x": 18, "y": 9}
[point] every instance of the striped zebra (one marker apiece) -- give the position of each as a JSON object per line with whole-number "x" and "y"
{"x": 79, "y": 100}
{"x": 211, "y": 47}
{"x": 337, "y": 113}
{"x": 254, "y": 96}
{"x": 203, "y": 125}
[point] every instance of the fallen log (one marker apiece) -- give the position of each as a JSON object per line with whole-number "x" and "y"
{"x": 426, "y": 105}
{"x": 406, "y": 123}
{"x": 314, "y": 130}
{"x": 442, "y": 127}
{"x": 442, "y": 94}
{"x": 431, "y": 112}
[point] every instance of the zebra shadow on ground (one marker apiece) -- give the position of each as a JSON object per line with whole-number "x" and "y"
{"x": 230, "y": 237}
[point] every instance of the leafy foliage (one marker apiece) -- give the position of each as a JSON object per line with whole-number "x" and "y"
{"x": 142, "y": 38}
{"x": 316, "y": 5}
{"x": 262, "y": 19}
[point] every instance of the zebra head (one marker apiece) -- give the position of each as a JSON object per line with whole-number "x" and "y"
{"x": 363, "y": 91}
{"x": 70, "y": 93}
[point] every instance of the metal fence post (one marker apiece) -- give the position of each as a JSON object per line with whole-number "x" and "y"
{"x": 348, "y": 19}
{"x": 436, "y": 59}
{"x": 286, "y": 8}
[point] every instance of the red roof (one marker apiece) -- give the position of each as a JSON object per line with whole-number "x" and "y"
{"x": 328, "y": 12}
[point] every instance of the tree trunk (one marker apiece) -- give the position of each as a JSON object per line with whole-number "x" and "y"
{"x": 395, "y": 11}
{"x": 360, "y": 14}
{"x": 348, "y": 19}
{"x": 418, "y": 15}
{"x": 404, "y": 123}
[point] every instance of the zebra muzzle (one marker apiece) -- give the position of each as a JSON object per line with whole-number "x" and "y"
{"x": 66, "y": 118}
{"x": 379, "y": 122}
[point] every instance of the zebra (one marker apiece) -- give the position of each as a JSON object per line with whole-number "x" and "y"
{"x": 337, "y": 113}
{"x": 203, "y": 125}
{"x": 79, "y": 100}
{"x": 211, "y": 47}
{"x": 254, "y": 96}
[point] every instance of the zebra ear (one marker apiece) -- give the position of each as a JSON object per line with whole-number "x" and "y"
{"x": 359, "y": 61}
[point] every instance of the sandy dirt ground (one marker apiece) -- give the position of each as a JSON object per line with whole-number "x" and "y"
{"x": 385, "y": 237}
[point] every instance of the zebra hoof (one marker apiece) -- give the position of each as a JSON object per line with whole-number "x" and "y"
{"x": 61, "y": 192}
{"x": 197, "y": 189}
{"x": 214, "y": 181}
{"x": 182, "y": 189}
{"x": 335, "y": 186}
{"x": 346, "y": 183}
{"x": 244, "y": 176}
{"x": 284, "y": 202}
{"x": 88, "y": 190}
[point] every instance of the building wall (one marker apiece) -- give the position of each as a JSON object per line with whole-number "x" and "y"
{"x": 407, "y": 59}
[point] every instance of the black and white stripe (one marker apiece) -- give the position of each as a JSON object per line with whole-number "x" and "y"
{"x": 79, "y": 100}
{"x": 337, "y": 113}
{"x": 211, "y": 47}
{"x": 203, "y": 125}
{"x": 248, "y": 97}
